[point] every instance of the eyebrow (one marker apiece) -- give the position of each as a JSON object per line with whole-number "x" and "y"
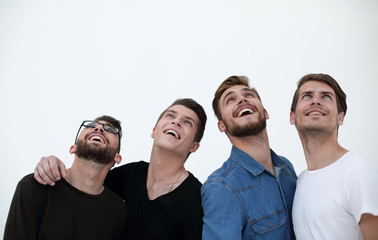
{"x": 246, "y": 89}
{"x": 322, "y": 92}
{"x": 187, "y": 117}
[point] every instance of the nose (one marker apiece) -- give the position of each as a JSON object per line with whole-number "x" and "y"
{"x": 316, "y": 100}
{"x": 99, "y": 128}
{"x": 177, "y": 122}
{"x": 242, "y": 99}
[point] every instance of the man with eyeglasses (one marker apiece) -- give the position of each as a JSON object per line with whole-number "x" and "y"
{"x": 79, "y": 206}
{"x": 163, "y": 198}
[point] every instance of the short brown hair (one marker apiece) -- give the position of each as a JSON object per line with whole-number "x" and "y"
{"x": 226, "y": 84}
{"x": 325, "y": 78}
{"x": 197, "y": 108}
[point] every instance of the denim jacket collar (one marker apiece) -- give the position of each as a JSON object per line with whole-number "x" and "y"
{"x": 250, "y": 164}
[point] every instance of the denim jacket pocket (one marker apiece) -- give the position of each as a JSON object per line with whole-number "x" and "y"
{"x": 268, "y": 222}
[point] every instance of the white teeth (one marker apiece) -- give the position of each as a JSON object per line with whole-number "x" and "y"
{"x": 172, "y": 132}
{"x": 95, "y": 138}
{"x": 245, "y": 110}
{"x": 315, "y": 113}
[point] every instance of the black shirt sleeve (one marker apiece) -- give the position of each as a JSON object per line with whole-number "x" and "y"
{"x": 26, "y": 210}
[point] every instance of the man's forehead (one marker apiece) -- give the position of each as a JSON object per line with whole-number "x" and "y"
{"x": 314, "y": 86}
{"x": 102, "y": 121}
{"x": 181, "y": 109}
{"x": 235, "y": 89}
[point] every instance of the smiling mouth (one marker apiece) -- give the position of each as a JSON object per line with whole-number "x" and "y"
{"x": 173, "y": 133}
{"x": 97, "y": 138}
{"x": 315, "y": 113}
{"x": 245, "y": 112}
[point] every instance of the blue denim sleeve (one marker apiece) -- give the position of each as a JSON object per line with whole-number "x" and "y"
{"x": 223, "y": 216}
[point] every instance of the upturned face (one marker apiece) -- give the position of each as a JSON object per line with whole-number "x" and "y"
{"x": 97, "y": 145}
{"x": 176, "y": 130}
{"x": 242, "y": 112}
{"x": 316, "y": 109}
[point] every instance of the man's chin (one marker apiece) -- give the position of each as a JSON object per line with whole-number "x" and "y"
{"x": 247, "y": 130}
{"x": 95, "y": 153}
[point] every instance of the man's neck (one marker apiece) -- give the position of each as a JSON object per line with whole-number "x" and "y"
{"x": 166, "y": 171}
{"x": 321, "y": 150}
{"x": 257, "y": 147}
{"x": 87, "y": 176}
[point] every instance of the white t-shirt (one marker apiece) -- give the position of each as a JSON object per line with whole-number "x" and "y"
{"x": 329, "y": 202}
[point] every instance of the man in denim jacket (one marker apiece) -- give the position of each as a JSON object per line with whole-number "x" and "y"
{"x": 251, "y": 195}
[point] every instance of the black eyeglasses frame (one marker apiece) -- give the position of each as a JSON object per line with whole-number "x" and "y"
{"x": 119, "y": 133}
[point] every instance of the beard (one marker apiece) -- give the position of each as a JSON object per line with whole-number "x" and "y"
{"x": 94, "y": 153}
{"x": 247, "y": 130}
{"x": 315, "y": 130}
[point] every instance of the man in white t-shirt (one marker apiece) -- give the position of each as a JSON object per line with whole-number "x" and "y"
{"x": 337, "y": 196}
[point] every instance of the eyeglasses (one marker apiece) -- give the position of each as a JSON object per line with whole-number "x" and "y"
{"x": 105, "y": 126}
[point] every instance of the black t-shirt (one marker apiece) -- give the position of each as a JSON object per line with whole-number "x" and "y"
{"x": 63, "y": 212}
{"x": 175, "y": 215}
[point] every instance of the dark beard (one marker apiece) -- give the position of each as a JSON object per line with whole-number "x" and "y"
{"x": 251, "y": 129}
{"x": 95, "y": 154}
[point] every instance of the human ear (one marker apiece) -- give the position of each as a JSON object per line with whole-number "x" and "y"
{"x": 266, "y": 114}
{"x": 292, "y": 118}
{"x": 340, "y": 118}
{"x": 117, "y": 158}
{"x": 194, "y": 146}
{"x": 221, "y": 126}
{"x": 73, "y": 149}
{"x": 153, "y": 131}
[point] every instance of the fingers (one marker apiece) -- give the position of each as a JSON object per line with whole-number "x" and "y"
{"x": 48, "y": 170}
{"x": 62, "y": 169}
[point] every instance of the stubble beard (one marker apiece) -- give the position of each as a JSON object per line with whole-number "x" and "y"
{"x": 315, "y": 131}
{"x": 247, "y": 130}
{"x": 95, "y": 154}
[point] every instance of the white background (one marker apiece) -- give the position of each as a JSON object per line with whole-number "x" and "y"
{"x": 62, "y": 62}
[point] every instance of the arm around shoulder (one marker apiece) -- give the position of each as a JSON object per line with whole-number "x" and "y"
{"x": 49, "y": 170}
{"x": 223, "y": 216}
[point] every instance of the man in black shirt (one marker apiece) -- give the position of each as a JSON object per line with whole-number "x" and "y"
{"x": 163, "y": 198}
{"x": 79, "y": 206}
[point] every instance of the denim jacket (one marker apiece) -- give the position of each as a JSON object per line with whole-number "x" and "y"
{"x": 243, "y": 200}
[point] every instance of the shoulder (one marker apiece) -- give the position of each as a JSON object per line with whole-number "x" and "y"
{"x": 287, "y": 163}
{"x": 29, "y": 191}
{"x": 112, "y": 197}
{"x": 355, "y": 166}
{"x": 28, "y": 181}
{"x": 128, "y": 168}
{"x": 222, "y": 173}
{"x": 193, "y": 181}
{"x": 192, "y": 186}
{"x": 224, "y": 180}
{"x": 288, "y": 167}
